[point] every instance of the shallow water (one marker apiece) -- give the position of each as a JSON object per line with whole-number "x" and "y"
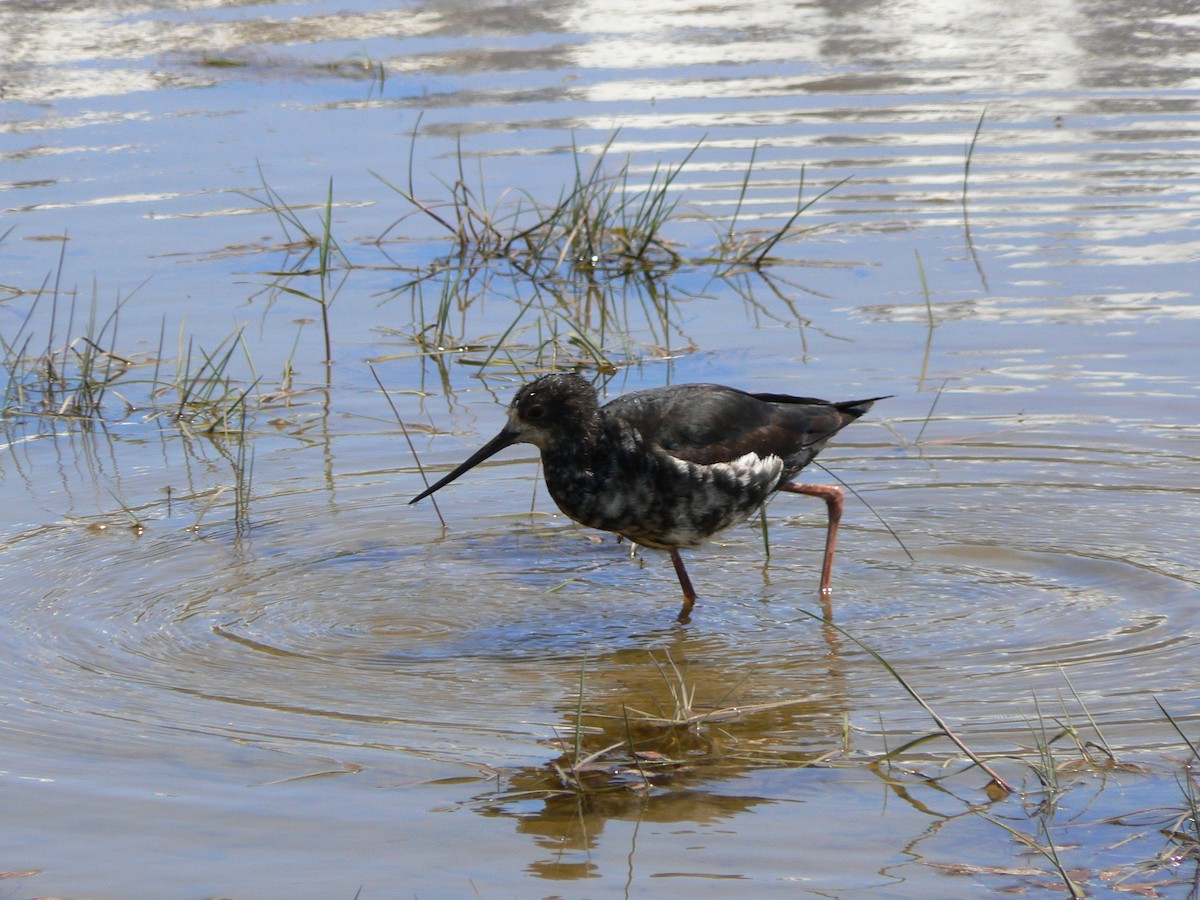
{"x": 326, "y": 691}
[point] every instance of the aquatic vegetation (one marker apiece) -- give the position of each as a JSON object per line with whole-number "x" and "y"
{"x": 63, "y": 367}
{"x": 78, "y": 375}
{"x": 302, "y": 243}
{"x": 592, "y": 277}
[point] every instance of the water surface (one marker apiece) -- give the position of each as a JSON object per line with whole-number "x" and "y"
{"x": 322, "y": 690}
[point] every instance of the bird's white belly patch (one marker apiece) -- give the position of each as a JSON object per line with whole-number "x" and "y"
{"x": 747, "y": 469}
{"x": 753, "y": 468}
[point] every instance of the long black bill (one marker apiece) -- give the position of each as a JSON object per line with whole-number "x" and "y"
{"x": 504, "y": 439}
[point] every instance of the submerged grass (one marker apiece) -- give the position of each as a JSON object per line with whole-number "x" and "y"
{"x": 72, "y": 371}
{"x": 584, "y": 273}
{"x": 303, "y": 244}
{"x": 643, "y": 746}
{"x": 639, "y": 750}
{"x": 1079, "y": 866}
{"x": 617, "y": 755}
{"x": 64, "y": 373}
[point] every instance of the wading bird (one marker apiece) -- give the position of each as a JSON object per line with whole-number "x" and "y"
{"x": 669, "y": 467}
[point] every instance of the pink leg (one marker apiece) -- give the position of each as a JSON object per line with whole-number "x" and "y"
{"x": 689, "y": 593}
{"x": 834, "y": 501}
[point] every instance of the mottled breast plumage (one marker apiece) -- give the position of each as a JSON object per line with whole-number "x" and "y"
{"x": 633, "y": 482}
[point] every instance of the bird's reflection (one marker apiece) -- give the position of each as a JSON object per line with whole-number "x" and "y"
{"x": 662, "y": 736}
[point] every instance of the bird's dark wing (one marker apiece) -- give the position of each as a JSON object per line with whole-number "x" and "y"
{"x": 709, "y": 423}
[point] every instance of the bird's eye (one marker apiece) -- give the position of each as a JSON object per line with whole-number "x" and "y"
{"x": 535, "y": 412}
